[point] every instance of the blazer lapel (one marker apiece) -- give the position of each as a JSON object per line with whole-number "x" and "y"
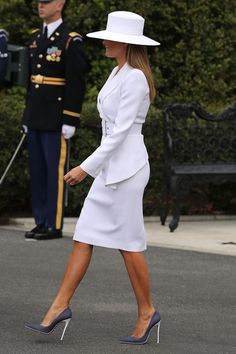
{"x": 113, "y": 81}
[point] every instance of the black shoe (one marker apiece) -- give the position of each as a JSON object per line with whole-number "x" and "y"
{"x": 37, "y": 229}
{"x": 48, "y": 234}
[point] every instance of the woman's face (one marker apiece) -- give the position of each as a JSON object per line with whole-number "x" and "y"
{"x": 115, "y": 50}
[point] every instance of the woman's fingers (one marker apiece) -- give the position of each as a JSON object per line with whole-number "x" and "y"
{"x": 67, "y": 177}
{"x": 71, "y": 179}
{"x": 75, "y": 176}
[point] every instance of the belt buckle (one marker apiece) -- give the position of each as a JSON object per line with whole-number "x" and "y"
{"x": 38, "y": 79}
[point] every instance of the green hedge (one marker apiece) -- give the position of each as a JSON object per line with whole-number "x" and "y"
{"x": 15, "y": 190}
{"x": 195, "y": 63}
{"x": 196, "y": 58}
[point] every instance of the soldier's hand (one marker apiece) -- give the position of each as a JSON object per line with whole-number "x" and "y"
{"x": 67, "y": 131}
{"x": 75, "y": 176}
{"x": 24, "y": 129}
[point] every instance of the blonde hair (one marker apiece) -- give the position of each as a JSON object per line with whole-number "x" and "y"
{"x": 137, "y": 57}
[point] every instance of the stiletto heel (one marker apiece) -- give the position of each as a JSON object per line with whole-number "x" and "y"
{"x": 155, "y": 321}
{"x": 64, "y": 316}
{"x": 158, "y": 332}
{"x": 66, "y": 325}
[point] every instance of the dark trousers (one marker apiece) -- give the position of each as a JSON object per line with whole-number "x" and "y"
{"x": 47, "y": 162}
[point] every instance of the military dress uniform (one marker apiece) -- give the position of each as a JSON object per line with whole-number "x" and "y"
{"x": 3, "y": 54}
{"x": 57, "y": 67}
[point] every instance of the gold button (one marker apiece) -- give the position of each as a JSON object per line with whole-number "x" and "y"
{"x": 40, "y": 56}
{"x": 39, "y": 66}
{"x": 36, "y": 86}
{"x": 59, "y": 98}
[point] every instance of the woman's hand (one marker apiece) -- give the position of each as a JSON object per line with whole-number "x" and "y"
{"x": 75, "y": 176}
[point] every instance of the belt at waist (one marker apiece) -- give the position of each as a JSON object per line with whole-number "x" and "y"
{"x": 46, "y": 80}
{"x": 107, "y": 128}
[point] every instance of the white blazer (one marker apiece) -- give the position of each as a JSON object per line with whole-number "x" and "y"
{"x": 123, "y": 103}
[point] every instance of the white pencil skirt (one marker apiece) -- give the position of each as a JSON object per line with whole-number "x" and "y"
{"x": 112, "y": 216}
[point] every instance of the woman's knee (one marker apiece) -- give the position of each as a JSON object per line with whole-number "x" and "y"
{"x": 128, "y": 254}
{"x": 124, "y": 253}
{"x": 82, "y": 247}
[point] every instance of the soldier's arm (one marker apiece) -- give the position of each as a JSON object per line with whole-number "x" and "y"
{"x": 33, "y": 36}
{"x": 3, "y": 54}
{"x": 76, "y": 68}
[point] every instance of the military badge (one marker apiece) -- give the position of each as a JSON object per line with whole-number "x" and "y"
{"x": 53, "y": 54}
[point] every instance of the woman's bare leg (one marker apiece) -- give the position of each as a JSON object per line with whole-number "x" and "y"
{"x": 139, "y": 276}
{"x": 76, "y": 268}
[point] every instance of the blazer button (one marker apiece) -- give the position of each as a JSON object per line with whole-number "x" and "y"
{"x": 59, "y": 98}
{"x": 36, "y": 86}
{"x": 39, "y": 66}
{"x": 40, "y": 56}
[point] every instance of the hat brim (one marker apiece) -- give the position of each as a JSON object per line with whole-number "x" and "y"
{"x": 123, "y": 38}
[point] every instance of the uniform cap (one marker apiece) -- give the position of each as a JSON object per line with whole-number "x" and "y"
{"x": 46, "y": 1}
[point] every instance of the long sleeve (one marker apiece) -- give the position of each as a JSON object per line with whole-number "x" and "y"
{"x": 76, "y": 68}
{"x": 134, "y": 89}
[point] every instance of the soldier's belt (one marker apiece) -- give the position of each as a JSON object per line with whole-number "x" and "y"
{"x": 46, "y": 80}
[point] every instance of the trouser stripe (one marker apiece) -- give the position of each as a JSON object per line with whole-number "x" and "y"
{"x": 61, "y": 169}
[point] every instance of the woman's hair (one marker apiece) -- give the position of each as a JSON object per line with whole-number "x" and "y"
{"x": 137, "y": 57}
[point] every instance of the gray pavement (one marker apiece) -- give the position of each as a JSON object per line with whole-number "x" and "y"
{"x": 203, "y": 233}
{"x": 194, "y": 291}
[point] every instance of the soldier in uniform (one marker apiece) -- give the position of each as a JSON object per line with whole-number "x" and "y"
{"x": 57, "y": 67}
{"x": 3, "y": 54}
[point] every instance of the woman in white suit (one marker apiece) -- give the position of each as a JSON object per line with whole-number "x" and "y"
{"x": 112, "y": 215}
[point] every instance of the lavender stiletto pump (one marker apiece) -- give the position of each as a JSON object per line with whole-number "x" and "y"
{"x": 64, "y": 316}
{"x": 155, "y": 321}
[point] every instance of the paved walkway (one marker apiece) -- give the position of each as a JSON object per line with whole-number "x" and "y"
{"x": 210, "y": 234}
{"x": 194, "y": 291}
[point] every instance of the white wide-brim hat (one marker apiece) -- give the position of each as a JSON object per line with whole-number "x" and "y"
{"x": 125, "y": 27}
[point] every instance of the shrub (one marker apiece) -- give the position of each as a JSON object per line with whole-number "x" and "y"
{"x": 15, "y": 191}
{"x": 195, "y": 63}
